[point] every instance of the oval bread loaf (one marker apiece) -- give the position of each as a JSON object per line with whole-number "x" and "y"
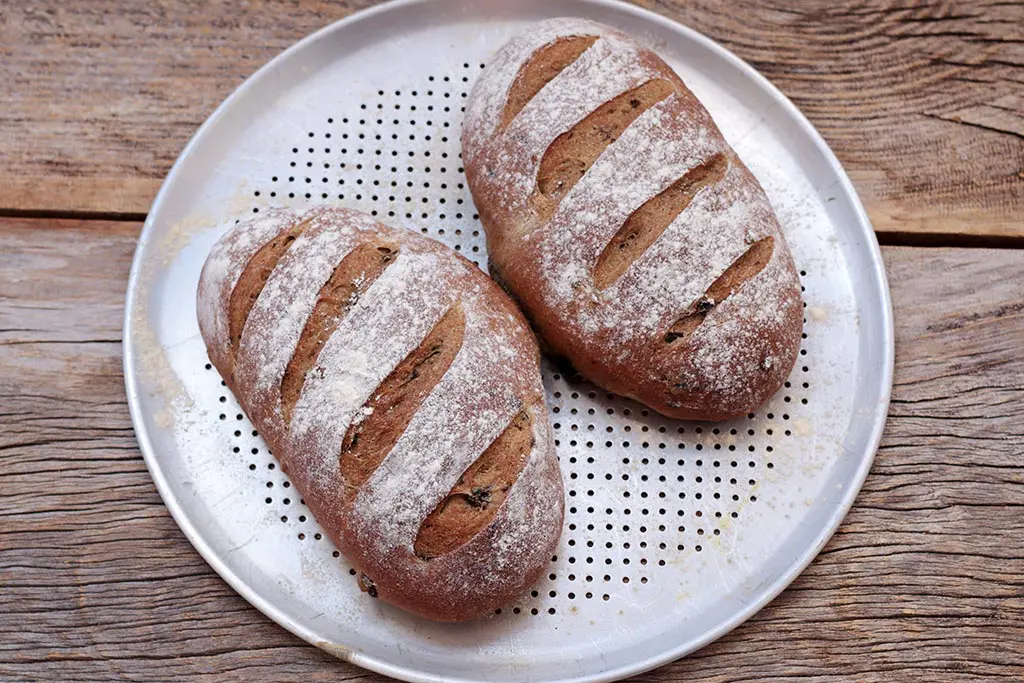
{"x": 635, "y": 240}
{"x": 400, "y": 390}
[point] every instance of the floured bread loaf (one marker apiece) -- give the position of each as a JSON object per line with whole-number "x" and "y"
{"x": 400, "y": 390}
{"x": 635, "y": 240}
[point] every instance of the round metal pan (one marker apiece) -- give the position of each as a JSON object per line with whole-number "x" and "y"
{"x": 675, "y": 532}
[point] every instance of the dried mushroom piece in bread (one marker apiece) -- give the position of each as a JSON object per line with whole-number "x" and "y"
{"x": 400, "y": 389}
{"x": 635, "y": 240}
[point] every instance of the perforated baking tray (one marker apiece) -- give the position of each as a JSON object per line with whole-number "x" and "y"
{"x": 675, "y": 532}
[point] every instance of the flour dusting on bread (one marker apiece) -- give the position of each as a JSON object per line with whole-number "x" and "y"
{"x": 494, "y": 374}
{"x": 224, "y": 266}
{"x": 647, "y": 328}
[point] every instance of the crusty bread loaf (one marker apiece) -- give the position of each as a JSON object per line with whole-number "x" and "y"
{"x": 400, "y": 390}
{"x": 635, "y": 240}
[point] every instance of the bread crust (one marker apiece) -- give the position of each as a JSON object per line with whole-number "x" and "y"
{"x": 645, "y": 254}
{"x": 492, "y": 378}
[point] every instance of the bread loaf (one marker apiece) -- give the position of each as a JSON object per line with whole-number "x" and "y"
{"x": 400, "y": 390}
{"x": 635, "y": 240}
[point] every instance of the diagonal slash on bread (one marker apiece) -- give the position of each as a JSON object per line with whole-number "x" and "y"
{"x": 637, "y": 242}
{"x": 400, "y": 389}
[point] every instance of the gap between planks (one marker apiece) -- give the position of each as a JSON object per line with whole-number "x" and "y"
{"x": 885, "y": 239}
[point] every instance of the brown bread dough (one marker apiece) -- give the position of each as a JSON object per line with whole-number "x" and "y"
{"x": 632, "y": 236}
{"x": 400, "y": 389}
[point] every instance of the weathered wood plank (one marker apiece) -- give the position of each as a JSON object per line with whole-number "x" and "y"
{"x": 924, "y": 103}
{"x": 924, "y": 581}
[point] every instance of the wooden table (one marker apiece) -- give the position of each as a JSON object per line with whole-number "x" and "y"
{"x": 924, "y": 106}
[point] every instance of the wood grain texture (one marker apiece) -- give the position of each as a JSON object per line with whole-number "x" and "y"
{"x": 923, "y": 582}
{"x": 922, "y": 101}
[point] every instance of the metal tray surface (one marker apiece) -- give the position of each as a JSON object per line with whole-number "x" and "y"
{"x": 675, "y": 532}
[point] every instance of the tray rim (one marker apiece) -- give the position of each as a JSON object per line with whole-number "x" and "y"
{"x": 378, "y": 665}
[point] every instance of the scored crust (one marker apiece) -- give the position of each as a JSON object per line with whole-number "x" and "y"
{"x": 635, "y": 240}
{"x": 420, "y": 363}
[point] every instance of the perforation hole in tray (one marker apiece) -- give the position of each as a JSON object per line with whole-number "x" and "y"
{"x": 643, "y": 492}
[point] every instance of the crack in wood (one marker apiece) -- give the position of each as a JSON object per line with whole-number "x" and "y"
{"x": 976, "y": 124}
